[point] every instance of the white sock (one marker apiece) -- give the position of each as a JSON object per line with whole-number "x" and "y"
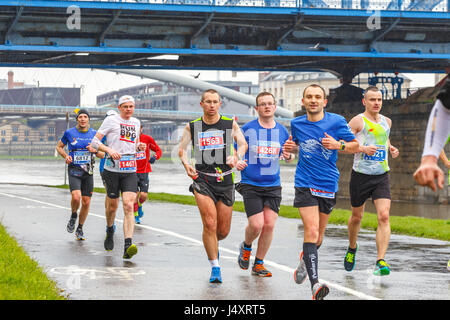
{"x": 214, "y": 263}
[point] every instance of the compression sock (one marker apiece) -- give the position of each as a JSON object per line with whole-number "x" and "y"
{"x": 311, "y": 258}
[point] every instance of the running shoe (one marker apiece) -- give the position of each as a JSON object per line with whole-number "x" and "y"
{"x": 216, "y": 277}
{"x": 319, "y": 291}
{"x": 129, "y": 251}
{"x": 140, "y": 211}
{"x": 71, "y": 225}
{"x": 448, "y": 265}
{"x": 136, "y": 218}
{"x": 79, "y": 234}
{"x": 260, "y": 271}
{"x": 109, "y": 240}
{"x": 300, "y": 274}
{"x": 244, "y": 256}
{"x": 349, "y": 260}
{"x": 382, "y": 268}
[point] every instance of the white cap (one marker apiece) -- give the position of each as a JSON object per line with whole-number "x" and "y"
{"x": 111, "y": 113}
{"x": 126, "y": 98}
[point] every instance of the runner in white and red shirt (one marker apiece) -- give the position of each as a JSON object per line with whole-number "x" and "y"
{"x": 122, "y": 133}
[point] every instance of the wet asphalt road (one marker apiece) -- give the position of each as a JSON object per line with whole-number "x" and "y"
{"x": 171, "y": 263}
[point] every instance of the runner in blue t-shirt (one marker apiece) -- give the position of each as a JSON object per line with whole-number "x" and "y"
{"x": 80, "y": 169}
{"x": 317, "y": 136}
{"x": 260, "y": 181}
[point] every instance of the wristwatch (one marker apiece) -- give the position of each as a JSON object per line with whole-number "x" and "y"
{"x": 342, "y": 145}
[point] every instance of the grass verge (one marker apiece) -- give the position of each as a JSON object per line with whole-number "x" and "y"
{"x": 21, "y": 278}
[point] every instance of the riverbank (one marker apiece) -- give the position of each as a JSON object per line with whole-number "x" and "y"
{"x": 413, "y": 226}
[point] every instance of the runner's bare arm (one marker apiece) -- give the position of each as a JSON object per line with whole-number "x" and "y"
{"x": 237, "y": 159}
{"x": 444, "y": 159}
{"x": 60, "y": 149}
{"x": 238, "y": 136}
{"x": 186, "y": 138}
{"x": 290, "y": 146}
{"x": 99, "y": 146}
{"x": 393, "y": 150}
{"x": 356, "y": 124}
{"x": 330, "y": 143}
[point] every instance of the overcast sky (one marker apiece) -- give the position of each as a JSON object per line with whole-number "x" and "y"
{"x": 95, "y": 82}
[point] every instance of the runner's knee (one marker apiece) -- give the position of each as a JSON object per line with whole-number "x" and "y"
{"x": 383, "y": 216}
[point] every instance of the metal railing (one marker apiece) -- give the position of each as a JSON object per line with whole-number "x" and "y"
{"x": 390, "y": 5}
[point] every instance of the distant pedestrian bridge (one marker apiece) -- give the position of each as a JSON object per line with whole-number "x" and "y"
{"x": 63, "y": 112}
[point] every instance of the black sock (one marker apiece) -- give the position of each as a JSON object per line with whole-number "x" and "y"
{"x": 351, "y": 250}
{"x": 128, "y": 242}
{"x": 247, "y": 246}
{"x": 74, "y": 215}
{"x": 258, "y": 261}
{"x": 110, "y": 229}
{"x": 80, "y": 226}
{"x": 311, "y": 258}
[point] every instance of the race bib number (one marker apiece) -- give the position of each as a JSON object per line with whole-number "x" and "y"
{"x": 268, "y": 149}
{"x": 127, "y": 163}
{"x": 210, "y": 140}
{"x": 380, "y": 154}
{"x": 140, "y": 155}
{"x": 81, "y": 157}
{"x": 322, "y": 193}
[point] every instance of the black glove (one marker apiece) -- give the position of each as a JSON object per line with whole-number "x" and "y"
{"x": 152, "y": 159}
{"x": 444, "y": 93}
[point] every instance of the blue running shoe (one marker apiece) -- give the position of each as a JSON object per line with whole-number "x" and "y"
{"x": 215, "y": 275}
{"x": 382, "y": 268}
{"x": 140, "y": 211}
{"x": 136, "y": 218}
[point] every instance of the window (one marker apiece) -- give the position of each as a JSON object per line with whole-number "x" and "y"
{"x": 3, "y": 132}
{"x": 15, "y": 138}
{"x": 15, "y": 129}
{"x": 51, "y": 130}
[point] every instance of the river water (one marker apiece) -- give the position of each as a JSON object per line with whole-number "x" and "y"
{"x": 171, "y": 178}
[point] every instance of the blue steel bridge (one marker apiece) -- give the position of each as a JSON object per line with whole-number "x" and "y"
{"x": 345, "y": 37}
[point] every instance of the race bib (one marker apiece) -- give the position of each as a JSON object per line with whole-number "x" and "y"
{"x": 380, "y": 154}
{"x": 81, "y": 157}
{"x": 322, "y": 193}
{"x": 140, "y": 155}
{"x": 268, "y": 149}
{"x": 210, "y": 140}
{"x": 127, "y": 163}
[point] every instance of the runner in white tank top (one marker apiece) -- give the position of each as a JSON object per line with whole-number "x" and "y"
{"x": 370, "y": 177}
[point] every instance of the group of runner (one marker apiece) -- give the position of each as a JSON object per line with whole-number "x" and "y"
{"x": 125, "y": 164}
{"x": 220, "y": 147}
{"x": 255, "y": 150}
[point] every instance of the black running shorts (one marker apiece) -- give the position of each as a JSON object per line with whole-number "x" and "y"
{"x": 119, "y": 182}
{"x": 143, "y": 182}
{"x": 364, "y": 186}
{"x": 304, "y": 198}
{"x": 81, "y": 180}
{"x": 256, "y": 198}
{"x": 216, "y": 192}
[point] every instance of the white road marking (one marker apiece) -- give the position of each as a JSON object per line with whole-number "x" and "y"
{"x": 222, "y": 249}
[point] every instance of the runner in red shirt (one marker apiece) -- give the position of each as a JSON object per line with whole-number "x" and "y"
{"x": 143, "y": 168}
